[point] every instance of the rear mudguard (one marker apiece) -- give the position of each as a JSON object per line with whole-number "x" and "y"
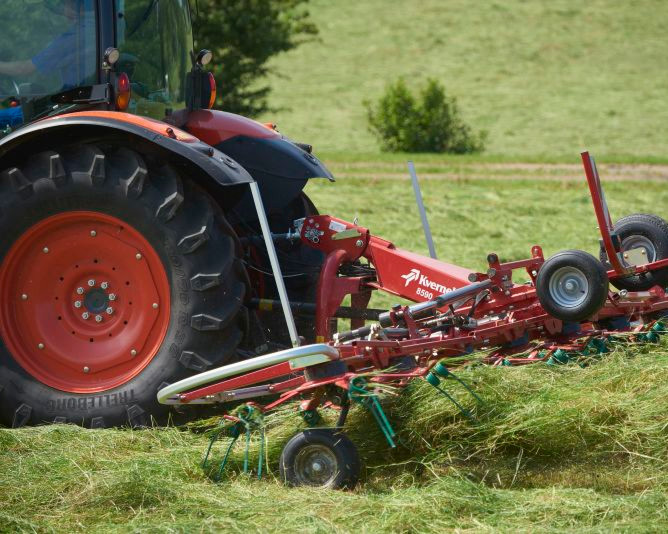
{"x": 207, "y": 166}
{"x": 280, "y": 166}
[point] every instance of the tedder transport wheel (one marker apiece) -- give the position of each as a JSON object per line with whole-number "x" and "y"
{"x": 572, "y": 285}
{"x": 650, "y": 234}
{"x": 116, "y": 278}
{"x": 320, "y": 457}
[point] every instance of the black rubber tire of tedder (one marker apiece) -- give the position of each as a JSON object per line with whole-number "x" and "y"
{"x": 560, "y": 285}
{"x": 331, "y": 449}
{"x": 190, "y": 237}
{"x": 637, "y": 228}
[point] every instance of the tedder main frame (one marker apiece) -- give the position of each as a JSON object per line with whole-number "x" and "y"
{"x": 564, "y": 306}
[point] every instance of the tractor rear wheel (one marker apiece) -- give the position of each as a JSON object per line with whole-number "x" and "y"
{"x": 116, "y": 278}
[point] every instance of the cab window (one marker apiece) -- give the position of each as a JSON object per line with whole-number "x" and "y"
{"x": 155, "y": 41}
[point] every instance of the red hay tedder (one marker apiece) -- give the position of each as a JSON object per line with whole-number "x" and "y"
{"x": 566, "y": 306}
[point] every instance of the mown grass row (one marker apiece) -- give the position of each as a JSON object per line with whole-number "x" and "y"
{"x": 553, "y": 448}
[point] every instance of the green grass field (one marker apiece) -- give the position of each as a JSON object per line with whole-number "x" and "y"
{"x": 544, "y": 78}
{"x": 565, "y": 449}
{"x": 555, "y": 449}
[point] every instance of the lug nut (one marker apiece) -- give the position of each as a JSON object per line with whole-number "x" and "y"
{"x": 40, "y": 346}
{"x": 155, "y": 305}
{"x": 45, "y": 250}
{"x": 24, "y": 297}
{"x": 80, "y": 290}
{"x": 91, "y": 283}
{"x": 133, "y": 352}
{"x": 85, "y": 315}
{"x": 77, "y": 304}
{"x": 110, "y": 310}
{"x": 138, "y": 256}
{"x": 93, "y": 233}
{"x": 86, "y": 369}
{"x": 112, "y": 296}
{"x": 104, "y": 285}
{"x": 98, "y": 318}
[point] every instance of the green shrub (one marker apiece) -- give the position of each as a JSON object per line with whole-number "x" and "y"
{"x": 428, "y": 123}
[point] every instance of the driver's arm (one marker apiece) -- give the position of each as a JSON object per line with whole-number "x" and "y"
{"x": 17, "y": 68}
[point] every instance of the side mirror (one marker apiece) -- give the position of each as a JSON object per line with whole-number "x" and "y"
{"x": 200, "y": 84}
{"x": 203, "y": 58}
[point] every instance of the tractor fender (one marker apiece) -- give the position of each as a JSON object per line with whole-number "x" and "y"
{"x": 208, "y": 166}
{"x": 280, "y": 166}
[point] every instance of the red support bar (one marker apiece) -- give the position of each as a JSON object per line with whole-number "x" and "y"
{"x": 602, "y": 213}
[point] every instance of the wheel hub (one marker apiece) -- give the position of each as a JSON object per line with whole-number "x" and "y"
{"x": 643, "y": 244}
{"x": 96, "y": 300}
{"x": 568, "y": 287}
{"x": 315, "y": 465}
{"x": 85, "y": 301}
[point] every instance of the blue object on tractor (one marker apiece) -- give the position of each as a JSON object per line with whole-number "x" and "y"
{"x": 11, "y": 117}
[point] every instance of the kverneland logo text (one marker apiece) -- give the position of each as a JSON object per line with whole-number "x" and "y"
{"x": 424, "y": 281}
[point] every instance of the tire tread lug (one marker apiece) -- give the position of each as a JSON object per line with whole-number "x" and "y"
{"x": 22, "y": 416}
{"x": 19, "y": 183}
{"x": 192, "y": 360}
{"x": 190, "y": 243}
{"x": 204, "y": 281}
{"x": 97, "y": 422}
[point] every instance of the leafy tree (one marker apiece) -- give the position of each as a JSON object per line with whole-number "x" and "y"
{"x": 428, "y": 123}
{"x": 243, "y": 35}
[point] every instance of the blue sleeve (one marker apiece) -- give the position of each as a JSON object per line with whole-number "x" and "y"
{"x": 11, "y": 116}
{"x": 56, "y": 54}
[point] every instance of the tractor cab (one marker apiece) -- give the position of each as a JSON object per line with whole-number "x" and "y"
{"x": 59, "y": 62}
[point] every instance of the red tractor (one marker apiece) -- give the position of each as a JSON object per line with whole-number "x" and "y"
{"x": 124, "y": 198}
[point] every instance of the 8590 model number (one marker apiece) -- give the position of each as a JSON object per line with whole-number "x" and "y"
{"x": 424, "y": 293}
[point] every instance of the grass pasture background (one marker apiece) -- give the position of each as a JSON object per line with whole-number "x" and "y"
{"x": 565, "y": 449}
{"x": 544, "y": 78}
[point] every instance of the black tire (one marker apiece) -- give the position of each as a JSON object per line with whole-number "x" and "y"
{"x": 197, "y": 248}
{"x": 633, "y": 230}
{"x": 331, "y": 449}
{"x": 561, "y": 289}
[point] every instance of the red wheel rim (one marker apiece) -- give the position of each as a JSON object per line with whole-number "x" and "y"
{"x": 85, "y": 301}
